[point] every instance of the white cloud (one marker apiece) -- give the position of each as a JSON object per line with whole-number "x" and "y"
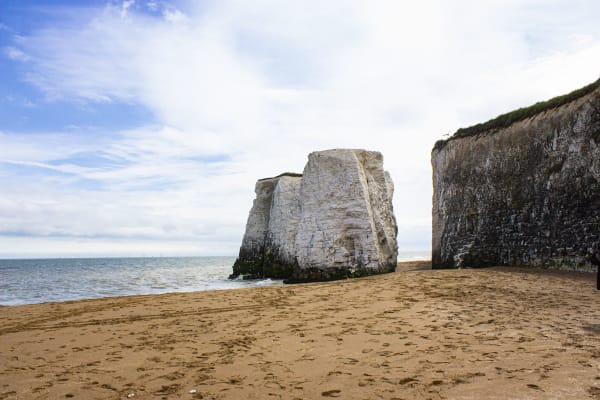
{"x": 174, "y": 16}
{"x": 152, "y": 5}
{"x": 259, "y": 85}
{"x": 125, "y": 7}
{"x": 15, "y": 54}
{"x": 148, "y": 187}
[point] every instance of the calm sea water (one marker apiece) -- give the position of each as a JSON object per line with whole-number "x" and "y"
{"x": 45, "y": 280}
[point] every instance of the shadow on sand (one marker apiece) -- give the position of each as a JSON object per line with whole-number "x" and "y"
{"x": 594, "y": 328}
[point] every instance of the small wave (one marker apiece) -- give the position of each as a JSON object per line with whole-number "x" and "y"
{"x": 265, "y": 282}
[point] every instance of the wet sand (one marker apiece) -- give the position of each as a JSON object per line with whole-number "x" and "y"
{"x": 415, "y": 334}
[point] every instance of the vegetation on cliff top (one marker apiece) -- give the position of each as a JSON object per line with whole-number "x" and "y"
{"x": 505, "y": 120}
{"x": 292, "y": 174}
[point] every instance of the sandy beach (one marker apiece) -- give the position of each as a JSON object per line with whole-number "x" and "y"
{"x": 499, "y": 333}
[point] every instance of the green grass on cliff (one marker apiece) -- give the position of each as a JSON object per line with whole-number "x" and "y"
{"x": 505, "y": 120}
{"x": 292, "y": 174}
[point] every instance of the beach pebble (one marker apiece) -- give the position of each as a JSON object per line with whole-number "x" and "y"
{"x": 192, "y": 391}
{"x": 130, "y": 395}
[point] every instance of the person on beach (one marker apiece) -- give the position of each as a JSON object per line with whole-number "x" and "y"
{"x": 595, "y": 259}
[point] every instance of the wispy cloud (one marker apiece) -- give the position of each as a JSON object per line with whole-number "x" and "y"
{"x": 16, "y": 54}
{"x": 125, "y": 7}
{"x": 244, "y": 90}
{"x": 137, "y": 187}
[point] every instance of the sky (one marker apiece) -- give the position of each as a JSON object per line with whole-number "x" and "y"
{"x": 139, "y": 127}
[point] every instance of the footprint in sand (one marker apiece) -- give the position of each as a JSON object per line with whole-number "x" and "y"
{"x": 594, "y": 392}
{"x": 534, "y": 386}
{"x": 331, "y": 393}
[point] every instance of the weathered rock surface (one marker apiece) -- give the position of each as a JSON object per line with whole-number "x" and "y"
{"x": 268, "y": 246}
{"x": 336, "y": 221}
{"x": 524, "y": 194}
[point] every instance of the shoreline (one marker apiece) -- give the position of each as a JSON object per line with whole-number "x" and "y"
{"x": 402, "y": 266}
{"x": 416, "y": 333}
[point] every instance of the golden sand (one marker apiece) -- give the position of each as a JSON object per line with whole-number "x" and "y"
{"x": 414, "y": 334}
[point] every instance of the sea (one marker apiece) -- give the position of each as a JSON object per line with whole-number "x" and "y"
{"x": 31, "y": 281}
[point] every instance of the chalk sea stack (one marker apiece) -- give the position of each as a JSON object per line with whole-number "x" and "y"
{"x": 334, "y": 221}
{"x": 522, "y": 189}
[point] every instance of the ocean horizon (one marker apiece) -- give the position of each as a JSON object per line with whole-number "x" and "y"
{"x": 41, "y": 280}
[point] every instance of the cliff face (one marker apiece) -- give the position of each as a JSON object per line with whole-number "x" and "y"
{"x": 347, "y": 225}
{"x": 524, "y": 194}
{"x": 335, "y": 222}
{"x": 268, "y": 246}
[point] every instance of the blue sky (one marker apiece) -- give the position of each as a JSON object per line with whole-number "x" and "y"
{"x": 140, "y": 127}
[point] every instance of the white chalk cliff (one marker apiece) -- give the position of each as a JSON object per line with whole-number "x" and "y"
{"x": 333, "y": 221}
